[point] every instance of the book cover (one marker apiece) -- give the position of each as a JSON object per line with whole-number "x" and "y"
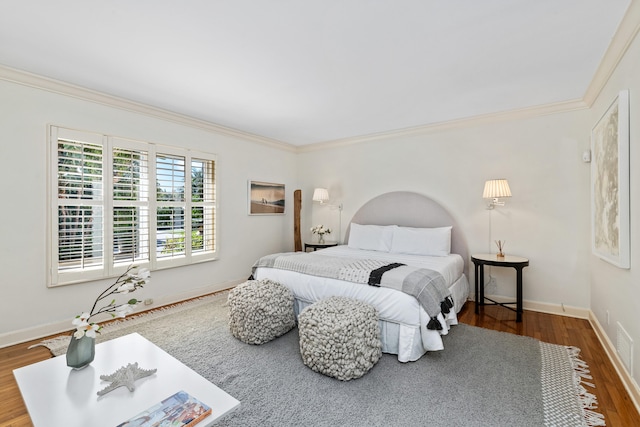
{"x": 178, "y": 410}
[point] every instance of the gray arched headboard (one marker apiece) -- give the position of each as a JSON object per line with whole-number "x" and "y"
{"x": 410, "y": 209}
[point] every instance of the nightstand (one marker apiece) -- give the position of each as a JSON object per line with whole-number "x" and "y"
{"x": 316, "y": 246}
{"x": 480, "y": 260}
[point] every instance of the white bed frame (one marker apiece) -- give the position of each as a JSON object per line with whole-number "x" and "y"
{"x": 408, "y": 341}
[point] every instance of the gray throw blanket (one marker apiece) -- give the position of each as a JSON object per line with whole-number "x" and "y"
{"x": 427, "y": 286}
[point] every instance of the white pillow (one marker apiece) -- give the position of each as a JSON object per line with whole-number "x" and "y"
{"x": 422, "y": 241}
{"x": 371, "y": 237}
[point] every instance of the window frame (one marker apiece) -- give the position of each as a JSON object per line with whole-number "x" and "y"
{"x": 110, "y": 267}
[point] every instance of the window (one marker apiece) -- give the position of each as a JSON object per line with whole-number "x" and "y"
{"x": 115, "y": 202}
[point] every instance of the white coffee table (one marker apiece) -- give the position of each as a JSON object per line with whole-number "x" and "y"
{"x": 56, "y": 395}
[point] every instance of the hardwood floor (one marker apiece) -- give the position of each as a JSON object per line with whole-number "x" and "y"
{"x": 14, "y": 413}
{"x": 613, "y": 401}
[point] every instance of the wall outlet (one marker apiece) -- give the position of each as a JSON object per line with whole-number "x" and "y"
{"x": 148, "y": 301}
{"x": 608, "y": 319}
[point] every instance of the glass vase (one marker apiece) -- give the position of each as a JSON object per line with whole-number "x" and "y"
{"x": 321, "y": 238}
{"x": 81, "y": 352}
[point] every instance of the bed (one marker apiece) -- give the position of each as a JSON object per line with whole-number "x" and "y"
{"x": 389, "y": 230}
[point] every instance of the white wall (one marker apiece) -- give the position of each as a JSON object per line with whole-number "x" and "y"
{"x": 546, "y": 220}
{"x": 27, "y": 306}
{"x": 613, "y": 289}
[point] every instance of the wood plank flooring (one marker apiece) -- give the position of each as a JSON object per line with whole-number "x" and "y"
{"x": 613, "y": 400}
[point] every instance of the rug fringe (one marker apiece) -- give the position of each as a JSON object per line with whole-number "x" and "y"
{"x": 58, "y": 344}
{"x": 587, "y": 400}
{"x": 50, "y": 342}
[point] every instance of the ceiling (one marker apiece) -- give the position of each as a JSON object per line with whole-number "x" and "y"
{"x": 309, "y": 71}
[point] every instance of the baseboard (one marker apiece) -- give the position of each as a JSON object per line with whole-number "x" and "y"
{"x": 629, "y": 383}
{"x": 545, "y": 307}
{"x": 37, "y": 332}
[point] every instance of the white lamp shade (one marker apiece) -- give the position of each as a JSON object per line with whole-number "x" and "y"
{"x": 496, "y": 188}
{"x": 320, "y": 195}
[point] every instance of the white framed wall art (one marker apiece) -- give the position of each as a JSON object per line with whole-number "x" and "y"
{"x": 610, "y": 211}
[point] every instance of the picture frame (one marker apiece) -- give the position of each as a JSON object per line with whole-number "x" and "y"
{"x": 610, "y": 208}
{"x": 266, "y": 198}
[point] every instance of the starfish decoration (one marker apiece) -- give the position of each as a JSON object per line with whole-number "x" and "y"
{"x": 125, "y": 376}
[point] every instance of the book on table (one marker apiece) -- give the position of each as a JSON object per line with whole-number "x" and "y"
{"x": 180, "y": 409}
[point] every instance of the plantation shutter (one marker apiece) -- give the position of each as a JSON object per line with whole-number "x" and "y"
{"x": 131, "y": 221}
{"x": 202, "y": 205}
{"x": 170, "y": 199}
{"x": 79, "y": 208}
{"x": 116, "y": 202}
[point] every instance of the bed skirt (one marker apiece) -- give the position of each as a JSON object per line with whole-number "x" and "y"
{"x": 408, "y": 342}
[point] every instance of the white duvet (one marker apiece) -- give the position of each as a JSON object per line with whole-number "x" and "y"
{"x": 403, "y": 320}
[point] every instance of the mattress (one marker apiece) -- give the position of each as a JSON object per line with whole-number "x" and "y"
{"x": 402, "y": 320}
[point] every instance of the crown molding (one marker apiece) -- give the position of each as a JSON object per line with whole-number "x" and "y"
{"x": 622, "y": 39}
{"x": 518, "y": 114}
{"x": 624, "y": 36}
{"x": 55, "y": 86}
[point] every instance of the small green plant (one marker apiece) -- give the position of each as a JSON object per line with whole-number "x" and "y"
{"x": 176, "y": 244}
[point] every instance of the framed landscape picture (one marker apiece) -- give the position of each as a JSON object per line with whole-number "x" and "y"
{"x": 266, "y": 198}
{"x": 610, "y": 212}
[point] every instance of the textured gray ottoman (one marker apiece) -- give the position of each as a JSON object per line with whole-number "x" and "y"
{"x": 260, "y": 311}
{"x": 340, "y": 337}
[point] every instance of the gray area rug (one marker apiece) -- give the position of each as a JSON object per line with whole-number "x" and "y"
{"x": 482, "y": 378}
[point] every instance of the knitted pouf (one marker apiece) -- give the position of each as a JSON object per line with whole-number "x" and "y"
{"x": 260, "y": 311}
{"x": 340, "y": 337}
